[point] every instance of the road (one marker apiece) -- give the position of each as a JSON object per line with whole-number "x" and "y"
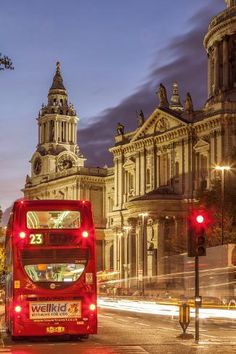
{"x": 124, "y": 332}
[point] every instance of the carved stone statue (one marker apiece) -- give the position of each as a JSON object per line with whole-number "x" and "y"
{"x": 162, "y": 125}
{"x": 140, "y": 118}
{"x": 120, "y": 129}
{"x": 162, "y": 95}
{"x": 188, "y": 104}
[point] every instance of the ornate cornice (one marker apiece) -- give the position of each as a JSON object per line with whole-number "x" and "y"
{"x": 222, "y": 24}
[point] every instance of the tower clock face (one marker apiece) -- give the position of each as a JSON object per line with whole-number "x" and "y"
{"x": 65, "y": 163}
{"x": 37, "y": 165}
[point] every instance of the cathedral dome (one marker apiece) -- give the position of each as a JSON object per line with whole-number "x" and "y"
{"x": 220, "y": 44}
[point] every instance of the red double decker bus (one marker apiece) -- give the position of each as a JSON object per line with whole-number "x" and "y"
{"x": 50, "y": 269}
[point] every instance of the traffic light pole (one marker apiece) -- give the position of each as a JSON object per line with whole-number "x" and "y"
{"x": 196, "y": 297}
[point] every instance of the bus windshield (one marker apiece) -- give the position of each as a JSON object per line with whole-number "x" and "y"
{"x": 54, "y": 272}
{"x": 63, "y": 219}
{"x": 55, "y": 265}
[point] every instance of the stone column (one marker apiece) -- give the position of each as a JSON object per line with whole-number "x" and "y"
{"x": 120, "y": 181}
{"x": 71, "y": 132}
{"x": 74, "y": 133}
{"x": 121, "y": 253}
{"x": 158, "y": 171}
{"x": 154, "y": 162}
{"x": 39, "y": 133}
{"x": 137, "y": 175}
{"x": 160, "y": 246}
{"x": 59, "y": 131}
{"x": 225, "y": 63}
{"x": 48, "y": 130}
{"x": 142, "y": 173}
{"x": 125, "y": 256}
{"x": 182, "y": 169}
{"x": 67, "y": 132}
{"x": 216, "y": 68}
{"x": 221, "y": 145}
{"x": 153, "y": 169}
{"x": 125, "y": 186}
{"x": 132, "y": 258}
{"x": 116, "y": 182}
{"x": 116, "y": 251}
{"x": 209, "y": 75}
{"x": 56, "y": 131}
{"x": 189, "y": 165}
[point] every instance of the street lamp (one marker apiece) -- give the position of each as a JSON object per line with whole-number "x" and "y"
{"x": 222, "y": 169}
{"x": 143, "y": 216}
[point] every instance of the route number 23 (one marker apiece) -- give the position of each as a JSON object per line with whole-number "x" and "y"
{"x": 36, "y": 239}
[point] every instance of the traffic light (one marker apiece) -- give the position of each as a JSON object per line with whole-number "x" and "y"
{"x": 197, "y": 224}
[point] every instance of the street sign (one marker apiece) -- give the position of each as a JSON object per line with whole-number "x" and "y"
{"x": 184, "y": 316}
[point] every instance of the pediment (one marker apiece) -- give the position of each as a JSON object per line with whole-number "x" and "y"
{"x": 129, "y": 163}
{"x": 157, "y": 123}
{"x": 201, "y": 145}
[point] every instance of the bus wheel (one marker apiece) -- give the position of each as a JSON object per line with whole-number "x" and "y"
{"x": 75, "y": 337}
{"x": 84, "y": 336}
{"x": 15, "y": 338}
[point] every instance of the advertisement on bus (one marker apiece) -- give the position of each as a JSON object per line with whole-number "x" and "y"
{"x": 47, "y": 310}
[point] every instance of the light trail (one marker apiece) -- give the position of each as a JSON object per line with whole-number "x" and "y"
{"x": 162, "y": 309}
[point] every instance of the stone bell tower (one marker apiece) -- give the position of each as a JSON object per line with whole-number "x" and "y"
{"x": 220, "y": 44}
{"x": 57, "y": 148}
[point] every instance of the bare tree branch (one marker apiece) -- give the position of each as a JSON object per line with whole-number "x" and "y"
{"x": 5, "y": 63}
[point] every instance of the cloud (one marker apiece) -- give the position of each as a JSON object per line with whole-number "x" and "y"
{"x": 186, "y": 63}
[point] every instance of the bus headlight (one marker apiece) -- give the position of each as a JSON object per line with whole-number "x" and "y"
{"x": 18, "y": 309}
{"x": 92, "y": 307}
{"x": 85, "y": 234}
{"x": 22, "y": 235}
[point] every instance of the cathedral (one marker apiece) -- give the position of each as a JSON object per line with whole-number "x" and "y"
{"x": 140, "y": 204}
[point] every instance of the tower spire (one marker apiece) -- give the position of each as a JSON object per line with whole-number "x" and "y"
{"x": 57, "y": 95}
{"x": 55, "y": 118}
{"x": 57, "y": 83}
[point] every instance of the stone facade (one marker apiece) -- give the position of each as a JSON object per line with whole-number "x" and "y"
{"x": 161, "y": 166}
{"x": 140, "y": 204}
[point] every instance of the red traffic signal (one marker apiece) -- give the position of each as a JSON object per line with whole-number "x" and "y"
{"x": 200, "y": 219}
{"x": 197, "y": 223}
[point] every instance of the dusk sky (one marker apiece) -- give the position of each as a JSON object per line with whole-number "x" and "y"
{"x": 113, "y": 55}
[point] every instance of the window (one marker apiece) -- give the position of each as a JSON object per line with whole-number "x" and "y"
{"x": 112, "y": 257}
{"x": 176, "y": 170}
{"x": 53, "y": 219}
{"x": 131, "y": 183}
{"x": 54, "y": 272}
{"x": 55, "y": 265}
{"x": 148, "y": 176}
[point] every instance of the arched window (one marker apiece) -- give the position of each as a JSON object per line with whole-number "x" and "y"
{"x": 51, "y": 130}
